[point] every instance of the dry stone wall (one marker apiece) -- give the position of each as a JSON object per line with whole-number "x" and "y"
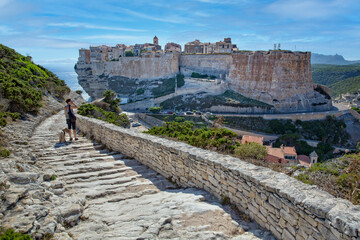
{"x": 285, "y": 206}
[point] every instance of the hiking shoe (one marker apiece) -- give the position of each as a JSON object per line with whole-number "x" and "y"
{"x": 76, "y": 139}
{"x": 71, "y": 139}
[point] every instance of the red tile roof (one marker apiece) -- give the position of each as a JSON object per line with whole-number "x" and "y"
{"x": 290, "y": 151}
{"x": 304, "y": 160}
{"x": 249, "y": 139}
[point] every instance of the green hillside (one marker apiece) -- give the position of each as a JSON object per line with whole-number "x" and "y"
{"x": 339, "y": 78}
{"x": 23, "y": 84}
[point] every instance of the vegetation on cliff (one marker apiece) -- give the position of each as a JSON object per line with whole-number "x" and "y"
{"x": 23, "y": 83}
{"x": 339, "y": 78}
{"x": 22, "y": 87}
{"x": 340, "y": 177}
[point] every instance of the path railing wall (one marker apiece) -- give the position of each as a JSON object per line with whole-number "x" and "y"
{"x": 279, "y": 203}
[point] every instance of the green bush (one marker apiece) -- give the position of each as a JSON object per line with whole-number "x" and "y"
{"x": 304, "y": 178}
{"x": 323, "y": 168}
{"x": 155, "y": 109}
{"x": 129, "y": 54}
{"x": 11, "y": 234}
{"x": 251, "y": 150}
{"x": 79, "y": 92}
{"x": 110, "y": 98}
{"x": 198, "y": 75}
{"x": 90, "y": 110}
{"x": 4, "y": 152}
{"x": 140, "y": 91}
{"x": 218, "y": 139}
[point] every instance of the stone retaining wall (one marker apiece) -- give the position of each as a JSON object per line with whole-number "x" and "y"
{"x": 285, "y": 206}
{"x": 149, "y": 120}
{"x": 355, "y": 114}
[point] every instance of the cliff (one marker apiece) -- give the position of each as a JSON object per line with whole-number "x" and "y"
{"x": 130, "y": 76}
{"x": 278, "y": 78}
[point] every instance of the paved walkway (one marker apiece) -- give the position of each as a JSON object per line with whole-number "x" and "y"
{"x": 127, "y": 200}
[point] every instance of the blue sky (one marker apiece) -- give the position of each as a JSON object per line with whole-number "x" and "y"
{"x": 52, "y": 31}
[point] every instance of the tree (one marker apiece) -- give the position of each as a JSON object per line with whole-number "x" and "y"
{"x": 129, "y": 54}
{"x": 251, "y": 150}
{"x": 155, "y": 109}
{"x": 79, "y": 92}
{"x": 109, "y": 95}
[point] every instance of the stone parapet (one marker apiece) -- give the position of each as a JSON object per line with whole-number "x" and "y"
{"x": 279, "y": 203}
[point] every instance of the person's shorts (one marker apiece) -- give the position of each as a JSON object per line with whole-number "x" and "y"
{"x": 71, "y": 124}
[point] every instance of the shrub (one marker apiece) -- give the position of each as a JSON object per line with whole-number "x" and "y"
{"x": 4, "y": 152}
{"x": 251, "y": 150}
{"x": 198, "y": 75}
{"x": 140, "y": 91}
{"x": 79, "y": 92}
{"x": 109, "y": 95}
{"x": 129, "y": 54}
{"x": 155, "y": 109}
{"x": 90, "y": 110}
{"x": 304, "y": 178}
{"x": 11, "y": 234}
{"x": 53, "y": 177}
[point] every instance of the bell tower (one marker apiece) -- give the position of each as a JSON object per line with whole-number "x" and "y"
{"x": 156, "y": 41}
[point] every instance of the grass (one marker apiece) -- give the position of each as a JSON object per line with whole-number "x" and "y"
{"x": 339, "y": 176}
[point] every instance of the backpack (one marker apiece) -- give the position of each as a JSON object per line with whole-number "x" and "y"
{"x": 72, "y": 116}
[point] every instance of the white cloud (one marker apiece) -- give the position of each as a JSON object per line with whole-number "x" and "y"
{"x": 91, "y": 26}
{"x": 42, "y": 42}
{"x": 166, "y": 19}
{"x": 308, "y": 9}
{"x": 5, "y": 30}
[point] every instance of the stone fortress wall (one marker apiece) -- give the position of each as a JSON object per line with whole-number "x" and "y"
{"x": 279, "y": 203}
{"x": 279, "y": 78}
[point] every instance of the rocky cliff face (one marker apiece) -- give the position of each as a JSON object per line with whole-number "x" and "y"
{"x": 129, "y": 77}
{"x": 279, "y": 78}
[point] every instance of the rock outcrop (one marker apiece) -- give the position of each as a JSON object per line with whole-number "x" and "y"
{"x": 280, "y": 78}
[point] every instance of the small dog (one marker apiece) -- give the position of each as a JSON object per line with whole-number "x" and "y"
{"x": 62, "y": 135}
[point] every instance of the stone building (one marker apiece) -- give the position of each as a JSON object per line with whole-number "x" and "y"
{"x": 248, "y": 139}
{"x": 173, "y": 47}
{"x": 155, "y": 41}
{"x": 209, "y": 48}
{"x": 84, "y": 56}
{"x": 194, "y": 47}
{"x": 224, "y": 46}
{"x": 281, "y": 155}
{"x": 99, "y": 53}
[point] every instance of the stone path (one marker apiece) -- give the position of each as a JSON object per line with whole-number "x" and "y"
{"x": 124, "y": 199}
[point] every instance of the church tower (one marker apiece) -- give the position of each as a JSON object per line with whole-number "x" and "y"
{"x": 156, "y": 41}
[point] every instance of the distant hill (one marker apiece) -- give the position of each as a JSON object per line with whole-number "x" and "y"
{"x": 339, "y": 78}
{"x": 330, "y": 59}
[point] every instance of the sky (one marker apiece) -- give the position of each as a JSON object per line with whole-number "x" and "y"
{"x": 52, "y": 31}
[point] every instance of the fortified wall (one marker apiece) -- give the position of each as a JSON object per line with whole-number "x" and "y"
{"x": 280, "y": 78}
{"x": 288, "y": 208}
